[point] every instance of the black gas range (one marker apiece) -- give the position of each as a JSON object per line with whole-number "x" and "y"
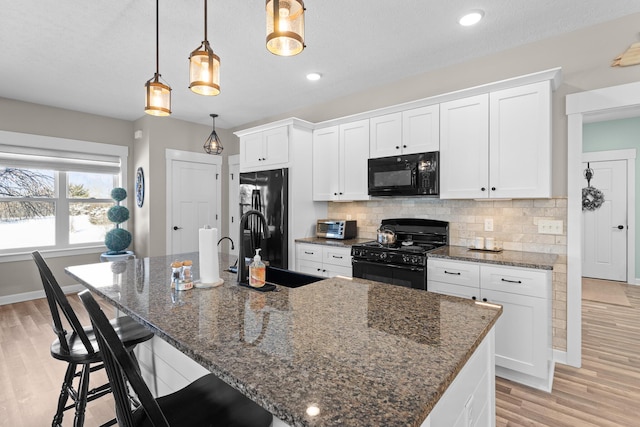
{"x": 405, "y": 262}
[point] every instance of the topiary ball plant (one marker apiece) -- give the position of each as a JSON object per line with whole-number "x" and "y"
{"x": 118, "y": 239}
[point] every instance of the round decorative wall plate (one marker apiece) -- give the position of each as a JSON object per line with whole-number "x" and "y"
{"x": 139, "y": 187}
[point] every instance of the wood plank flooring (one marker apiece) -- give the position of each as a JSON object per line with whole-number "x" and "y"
{"x": 604, "y": 392}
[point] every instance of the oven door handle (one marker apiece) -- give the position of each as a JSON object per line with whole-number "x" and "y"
{"x": 396, "y": 266}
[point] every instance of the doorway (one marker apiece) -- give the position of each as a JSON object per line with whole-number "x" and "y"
{"x": 608, "y": 249}
{"x": 193, "y": 198}
{"x": 601, "y": 104}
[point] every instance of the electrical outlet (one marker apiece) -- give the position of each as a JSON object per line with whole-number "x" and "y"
{"x": 348, "y": 217}
{"x": 488, "y": 224}
{"x": 549, "y": 226}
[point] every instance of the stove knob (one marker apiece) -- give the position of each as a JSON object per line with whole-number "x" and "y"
{"x": 383, "y": 255}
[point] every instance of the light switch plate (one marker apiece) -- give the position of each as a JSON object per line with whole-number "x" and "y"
{"x": 488, "y": 224}
{"x": 549, "y": 226}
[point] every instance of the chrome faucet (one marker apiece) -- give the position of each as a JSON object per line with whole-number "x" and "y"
{"x": 242, "y": 263}
{"x": 229, "y": 238}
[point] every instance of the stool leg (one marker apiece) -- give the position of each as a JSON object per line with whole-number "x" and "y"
{"x": 83, "y": 390}
{"x": 64, "y": 394}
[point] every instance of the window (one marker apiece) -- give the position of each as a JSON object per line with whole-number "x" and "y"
{"x": 56, "y": 199}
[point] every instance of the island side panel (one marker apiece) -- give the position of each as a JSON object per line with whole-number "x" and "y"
{"x": 470, "y": 400}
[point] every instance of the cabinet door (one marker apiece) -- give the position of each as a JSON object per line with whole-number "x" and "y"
{"x": 464, "y": 148}
{"x": 467, "y": 292}
{"x": 335, "y": 270}
{"x": 275, "y": 146}
{"x": 520, "y": 142}
{"x": 311, "y": 267}
{"x": 522, "y": 332}
{"x": 251, "y": 150}
{"x": 421, "y": 130}
{"x": 354, "y": 155}
{"x": 326, "y": 164}
{"x": 386, "y": 135}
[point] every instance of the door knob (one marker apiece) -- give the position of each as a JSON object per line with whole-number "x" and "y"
{"x": 620, "y": 227}
{"x": 175, "y": 228}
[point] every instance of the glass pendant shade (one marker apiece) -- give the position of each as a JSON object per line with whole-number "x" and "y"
{"x": 213, "y": 145}
{"x": 158, "y": 95}
{"x": 158, "y": 99}
{"x": 204, "y": 71}
{"x": 285, "y": 27}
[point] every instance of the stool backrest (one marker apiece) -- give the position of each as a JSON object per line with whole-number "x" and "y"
{"x": 58, "y": 303}
{"x": 120, "y": 366}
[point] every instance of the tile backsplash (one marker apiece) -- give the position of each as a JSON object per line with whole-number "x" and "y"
{"x": 515, "y": 227}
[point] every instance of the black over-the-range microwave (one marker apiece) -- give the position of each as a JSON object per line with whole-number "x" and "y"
{"x": 405, "y": 175}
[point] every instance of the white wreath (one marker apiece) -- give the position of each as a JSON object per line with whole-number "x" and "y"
{"x": 592, "y": 198}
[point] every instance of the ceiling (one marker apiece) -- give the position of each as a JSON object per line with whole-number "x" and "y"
{"x": 95, "y": 56}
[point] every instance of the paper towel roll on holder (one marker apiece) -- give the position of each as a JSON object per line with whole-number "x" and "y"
{"x": 209, "y": 269}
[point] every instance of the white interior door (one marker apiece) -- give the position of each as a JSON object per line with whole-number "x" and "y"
{"x": 234, "y": 204}
{"x": 604, "y": 231}
{"x": 193, "y": 202}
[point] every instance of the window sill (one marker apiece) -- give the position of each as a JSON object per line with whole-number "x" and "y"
{"x": 53, "y": 253}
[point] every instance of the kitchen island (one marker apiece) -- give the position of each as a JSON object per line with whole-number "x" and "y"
{"x": 338, "y": 352}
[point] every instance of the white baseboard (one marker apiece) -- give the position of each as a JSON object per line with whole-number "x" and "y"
{"x": 560, "y": 356}
{"x": 28, "y": 296}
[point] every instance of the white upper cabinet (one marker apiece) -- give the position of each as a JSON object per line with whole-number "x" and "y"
{"x": 464, "y": 148}
{"x": 407, "y": 132}
{"x": 386, "y": 135}
{"x": 520, "y": 141}
{"x": 264, "y": 149}
{"x": 340, "y": 155}
{"x": 497, "y": 145}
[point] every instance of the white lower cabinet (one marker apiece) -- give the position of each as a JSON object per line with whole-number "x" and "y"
{"x": 323, "y": 260}
{"x": 470, "y": 400}
{"x": 523, "y": 333}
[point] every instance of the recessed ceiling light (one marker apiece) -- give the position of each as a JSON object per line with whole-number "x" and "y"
{"x": 314, "y": 76}
{"x": 471, "y": 18}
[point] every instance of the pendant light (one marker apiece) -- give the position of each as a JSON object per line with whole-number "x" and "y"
{"x": 158, "y": 94}
{"x": 213, "y": 145}
{"x": 204, "y": 66}
{"x": 285, "y": 27}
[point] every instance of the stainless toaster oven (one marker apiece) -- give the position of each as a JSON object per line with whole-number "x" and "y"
{"x": 336, "y": 229}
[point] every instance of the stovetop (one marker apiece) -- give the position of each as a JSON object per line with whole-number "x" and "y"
{"x": 415, "y": 237}
{"x": 405, "y": 246}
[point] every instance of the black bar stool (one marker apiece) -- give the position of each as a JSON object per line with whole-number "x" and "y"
{"x": 206, "y": 402}
{"x": 80, "y": 349}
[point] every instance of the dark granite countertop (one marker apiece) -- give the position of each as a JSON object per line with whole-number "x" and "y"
{"x": 332, "y": 242}
{"x": 364, "y": 353}
{"x": 507, "y": 258}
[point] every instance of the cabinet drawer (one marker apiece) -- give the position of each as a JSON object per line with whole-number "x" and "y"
{"x": 455, "y": 272}
{"x": 519, "y": 281}
{"x": 337, "y": 256}
{"x": 309, "y": 252}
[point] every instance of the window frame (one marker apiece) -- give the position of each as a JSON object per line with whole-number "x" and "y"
{"x": 12, "y": 142}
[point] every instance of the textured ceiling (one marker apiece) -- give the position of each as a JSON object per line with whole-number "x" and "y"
{"x": 95, "y": 56}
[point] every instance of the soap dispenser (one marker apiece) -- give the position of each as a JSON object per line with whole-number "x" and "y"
{"x": 257, "y": 271}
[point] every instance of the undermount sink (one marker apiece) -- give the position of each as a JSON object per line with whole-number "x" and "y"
{"x": 288, "y": 278}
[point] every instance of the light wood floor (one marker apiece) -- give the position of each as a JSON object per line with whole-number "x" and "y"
{"x": 604, "y": 392}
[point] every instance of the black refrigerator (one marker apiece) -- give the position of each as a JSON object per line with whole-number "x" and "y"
{"x": 266, "y": 192}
